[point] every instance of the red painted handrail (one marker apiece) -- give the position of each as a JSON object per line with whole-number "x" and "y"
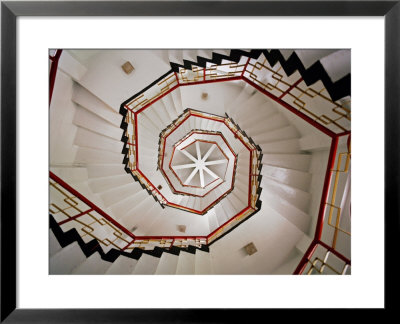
{"x": 97, "y": 209}
{"x": 67, "y": 187}
{"x": 309, "y": 120}
{"x": 325, "y": 189}
{"x": 325, "y": 192}
{"x": 53, "y": 72}
{"x": 321, "y": 214}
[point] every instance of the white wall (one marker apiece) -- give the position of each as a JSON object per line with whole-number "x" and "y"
{"x": 275, "y": 239}
{"x": 62, "y": 111}
{"x": 106, "y": 79}
{"x": 218, "y": 96}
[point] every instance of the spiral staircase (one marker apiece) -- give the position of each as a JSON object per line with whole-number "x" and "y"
{"x": 200, "y": 162}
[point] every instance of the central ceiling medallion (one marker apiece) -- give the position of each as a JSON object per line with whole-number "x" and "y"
{"x": 198, "y": 157}
{"x": 200, "y": 162}
{"x": 196, "y": 167}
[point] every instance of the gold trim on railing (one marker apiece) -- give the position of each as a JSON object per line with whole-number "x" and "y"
{"x": 337, "y": 116}
{"x": 89, "y": 223}
{"x": 338, "y": 111}
{"x": 160, "y": 88}
{"x": 275, "y": 75}
{"x": 331, "y": 203}
{"x": 314, "y": 269}
{"x": 231, "y": 224}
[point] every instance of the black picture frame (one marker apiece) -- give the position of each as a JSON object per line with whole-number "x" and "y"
{"x": 10, "y": 10}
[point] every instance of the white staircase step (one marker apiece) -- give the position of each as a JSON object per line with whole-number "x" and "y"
{"x": 93, "y": 122}
{"x": 293, "y": 178}
{"x": 92, "y": 265}
{"x": 71, "y": 66}
{"x": 190, "y": 55}
{"x": 296, "y": 197}
{"x": 228, "y": 208}
{"x": 300, "y": 162}
{"x": 168, "y": 263}
{"x": 285, "y": 146}
{"x": 138, "y": 203}
{"x": 85, "y": 191}
{"x": 70, "y": 173}
{"x": 54, "y": 246}
{"x": 309, "y": 56}
{"x": 212, "y": 220}
{"x": 126, "y": 206}
{"x": 235, "y": 107}
{"x": 87, "y": 138}
{"x": 89, "y": 101}
{"x": 205, "y": 53}
{"x": 147, "y": 264}
{"x": 304, "y": 244}
{"x": 254, "y": 116}
{"x": 280, "y": 134}
{"x": 238, "y": 199}
{"x": 114, "y": 195}
{"x": 161, "y": 110}
{"x": 154, "y": 118}
{"x": 123, "y": 265}
{"x": 293, "y": 214}
{"x": 64, "y": 261}
{"x": 337, "y": 64}
{"x": 176, "y": 97}
{"x": 169, "y": 104}
{"x": 286, "y": 53}
{"x": 102, "y": 171}
{"x": 314, "y": 142}
{"x": 269, "y": 124}
{"x": 254, "y": 109}
{"x": 225, "y": 52}
{"x": 220, "y": 215}
{"x": 146, "y": 124}
{"x": 203, "y": 263}
{"x": 175, "y": 56}
{"x": 144, "y": 221}
{"x": 186, "y": 263}
{"x": 86, "y": 155}
{"x": 104, "y": 184}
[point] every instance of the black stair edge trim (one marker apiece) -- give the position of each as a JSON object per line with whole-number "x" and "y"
{"x": 259, "y": 158}
{"x": 258, "y": 205}
{"x": 316, "y": 72}
{"x": 122, "y": 109}
{"x": 93, "y": 246}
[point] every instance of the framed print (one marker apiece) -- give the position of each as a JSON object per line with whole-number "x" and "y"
{"x": 194, "y": 151}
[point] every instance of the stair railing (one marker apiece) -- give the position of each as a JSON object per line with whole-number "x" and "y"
{"x": 53, "y": 71}
{"x": 307, "y": 101}
{"x": 327, "y": 252}
{"x": 132, "y": 153}
{"x": 304, "y": 101}
{"x": 72, "y": 210}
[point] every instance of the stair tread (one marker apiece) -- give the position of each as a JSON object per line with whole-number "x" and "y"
{"x": 54, "y": 246}
{"x": 147, "y": 264}
{"x": 285, "y": 146}
{"x": 92, "y": 265}
{"x": 64, "y": 261}
{"x": 293, "y": 214}
{"x": 168, "y": 263}
{"x": 294, "y": 178}
{"x": 296, "y": 197}
{"x": 122, "y": 265}
{"x": 186, "y": 263}
{"x": 203, "y": 263}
